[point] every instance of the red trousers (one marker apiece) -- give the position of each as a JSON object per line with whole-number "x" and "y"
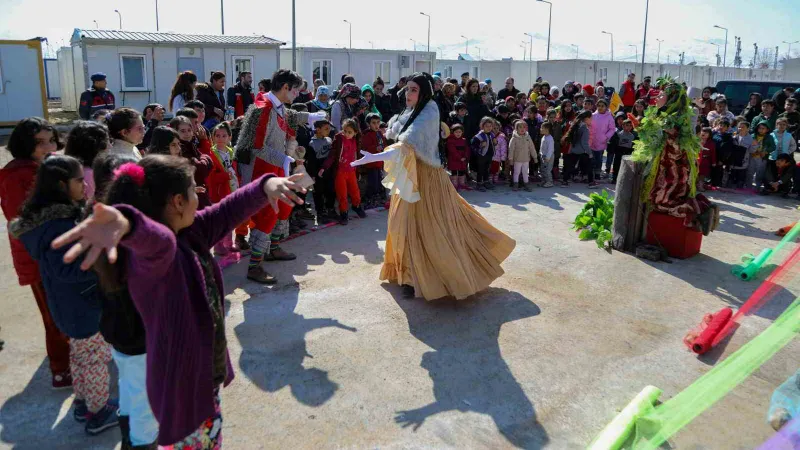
{"x": 346, "y": 184}
{"x": 265, "y": 219}
{"x": 57, "y": 343}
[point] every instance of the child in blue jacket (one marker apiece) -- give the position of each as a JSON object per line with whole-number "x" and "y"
{"x": 54, "y": 207}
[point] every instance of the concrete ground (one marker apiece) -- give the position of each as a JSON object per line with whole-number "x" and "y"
{"x": 332, "y": 358}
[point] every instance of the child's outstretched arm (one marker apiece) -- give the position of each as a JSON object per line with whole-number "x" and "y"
{"x": 214, "y": 222}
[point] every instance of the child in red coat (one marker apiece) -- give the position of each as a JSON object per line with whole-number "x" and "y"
{"x": 457, "y": 157}
{"x": 346, "y": 144}
{"x": 373, "y": 141}
{"x": 222, "y": 179}
{"x": 708, "y": 157}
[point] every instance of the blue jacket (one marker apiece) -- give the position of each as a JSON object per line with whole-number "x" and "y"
{"x": 72, "y": 294}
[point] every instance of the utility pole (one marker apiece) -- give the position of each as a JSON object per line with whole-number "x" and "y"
{"x": 549, "y": 26}
{"x": 156, "y": 16}
{"x": 644, "y": 40}
{"x": 612, "y": 43}
{"x": 294, "y": 39}
{"x": 725, "y": 56}
{"x": 466, "y": 52}
{"x": 222, "y": 14}
{"x": 351, "y": 33}
{"x": 658, "y": 58}
{"x": 776, "y": 58}
{"x": 429, "y": 30}
{"x": 737, "y": 60}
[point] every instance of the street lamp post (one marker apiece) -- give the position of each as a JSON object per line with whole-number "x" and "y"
{"x": 429, "y": 30}
{"x": 530, "y": 58}
{"x": 718, "y": 58}
{"x": 658, "y": 58}
{"x": 414, "y": 43}
{"x": 479, "y": 52}
{"x": 524, "y": 50}
{"x": 644, "y": 40}
{"x": 577, "y": 50}
{"x": 156, "y": 15}
{"x": 96, "y": 25}
{"x": 294, "y": 39}
{"x": 725, "y": 57}
{"x": 636, "y": 48}
{"x": 372, "y": 44}
{"x": 351, "y": 32}
{"x": 612, "y": 43}
{"x": 549, "y": 26}
{"x": 467, "y": 45}
{"x": 120, "y": 18}
{"x": 789, "y": 51}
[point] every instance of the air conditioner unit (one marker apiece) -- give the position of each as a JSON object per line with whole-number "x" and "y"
{"x": 405, "y": 61}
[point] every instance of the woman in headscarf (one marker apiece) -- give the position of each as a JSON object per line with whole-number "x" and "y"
{"x": 345, "y": 105}
{"x": 321, "y": 101}
{"x": 437, "y": 245}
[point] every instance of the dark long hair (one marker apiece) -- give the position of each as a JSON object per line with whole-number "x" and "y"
{"x": 22, "y": 142}
{"x": 163, "y": 137}
{"x": 164, "y": 177}
{"x": 121, "y": 119}
{"x": 103, "y": 171}
{"x": 425, "y": 82}
{"x": 183, "y": 87}
{"x": 52, "y": 184}
{"x": 571, "y": 135}
{"x": 86, "y": 140}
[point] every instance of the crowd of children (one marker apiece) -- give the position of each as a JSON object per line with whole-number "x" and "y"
{"x": 178, "y": 195}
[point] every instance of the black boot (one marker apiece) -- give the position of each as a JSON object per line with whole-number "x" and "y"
{"x": 408, "y": 291}
{"x": 360, "y": 211}
{"x": 343, "y": 219}
{"x": 125, "y": 430}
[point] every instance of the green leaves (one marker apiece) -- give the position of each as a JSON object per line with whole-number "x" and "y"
{"x": 595, "y": 219}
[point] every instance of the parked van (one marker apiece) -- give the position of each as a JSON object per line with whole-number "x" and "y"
{"x": 738, "y": 91}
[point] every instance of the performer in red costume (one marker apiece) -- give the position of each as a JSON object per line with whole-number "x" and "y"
{"x": 263, "y": 144}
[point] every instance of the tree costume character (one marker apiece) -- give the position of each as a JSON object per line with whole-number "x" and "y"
{"x": 265, "y": 141}
{"x": 437, "y": 245}
{"x": 669, "y": 148}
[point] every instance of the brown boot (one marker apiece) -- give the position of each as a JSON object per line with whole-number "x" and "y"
{"x": 279, "y": 254}
{"x": 259, "y": 275}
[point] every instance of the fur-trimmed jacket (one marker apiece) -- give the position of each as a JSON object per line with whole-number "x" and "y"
{"x": 264, "y": 136}
{"x": 72, "y": 294}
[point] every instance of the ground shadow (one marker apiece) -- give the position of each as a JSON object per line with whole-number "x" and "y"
{"x": 29, "y": 419}
{"x": 467, "y": 367}
{"x": 274, "y": 346}
{"x": 714, "y": 276}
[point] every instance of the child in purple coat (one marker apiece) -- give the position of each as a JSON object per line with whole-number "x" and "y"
{"x": 164, "y": 237}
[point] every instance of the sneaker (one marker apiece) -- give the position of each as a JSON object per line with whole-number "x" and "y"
{"x": 259, "y": 275}
{"x": 62, "y": 380}
{"x": 481, "y": 188}
{"x": 360, "y": 212}
{"x": 102, "y": 420}
{"x": 80, "y": 411}
{"x": 343, "y": 219}
{"x": 241, "y": 243}
{"x": 527, "y": 188}
{"x": 547, "y": 185}
{"x": 490, "y": 186}
{"x": 565, "y": 184}
{"x": 593, "y": 185}
{"x": 514, "y": 188}
{"x": 305, "y": 214}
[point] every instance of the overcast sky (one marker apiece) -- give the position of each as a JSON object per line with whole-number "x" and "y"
{"x": 683, "y": 25}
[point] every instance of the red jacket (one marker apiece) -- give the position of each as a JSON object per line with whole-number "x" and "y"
{"x": 343, "y": 152}
{"x": 16, "y": 181}
{"x": 708, "y": 157}
{"x": 373, "y": 142}
{"x": 218, "y": 180}
{"x": 629, "y": 96}
{"x": 202, "y": 167}
{"x": 457, "y": 149}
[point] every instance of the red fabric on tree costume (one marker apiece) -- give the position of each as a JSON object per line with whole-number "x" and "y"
{"x": 671, "y": 190}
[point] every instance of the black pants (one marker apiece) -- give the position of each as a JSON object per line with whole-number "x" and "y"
{"x": 618, "y": 154}
{"x": 483, "y": 163}
{"x": 583, "y": 161}
{"x": 374, "y": 186}
{"x": 324, "y": 192}
{"x": 611, "y": 157}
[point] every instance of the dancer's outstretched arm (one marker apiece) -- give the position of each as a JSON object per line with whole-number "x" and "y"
{"x": 368, "y": 157}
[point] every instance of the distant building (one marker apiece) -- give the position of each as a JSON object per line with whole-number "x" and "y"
{"x": 142, "y": 67}
{"x": 329, "y": 64}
